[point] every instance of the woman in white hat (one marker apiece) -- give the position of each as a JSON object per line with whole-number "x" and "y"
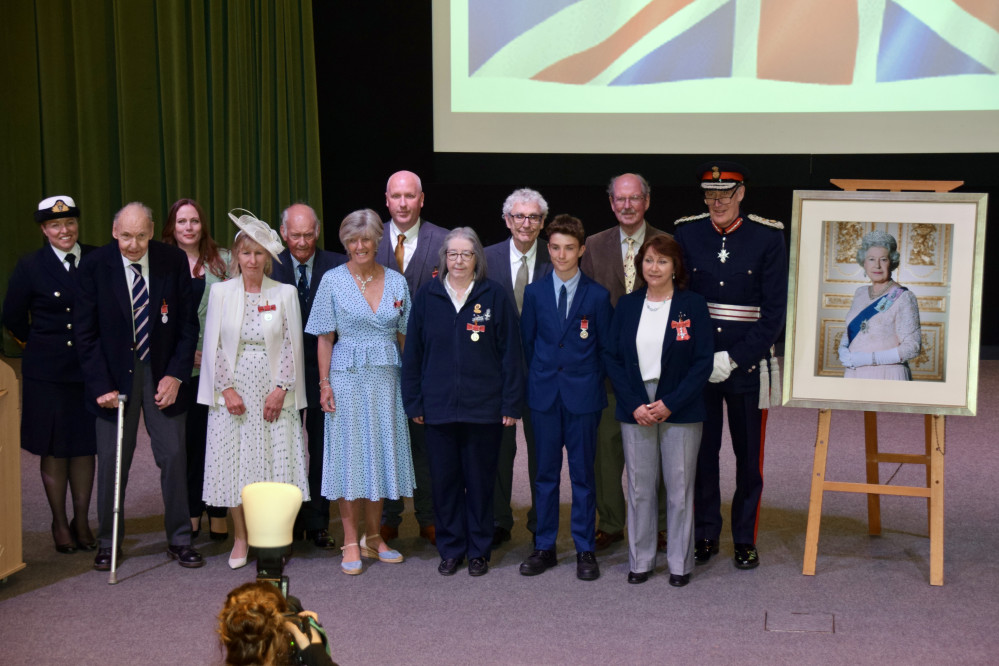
{"x": 55, "y": 424}
{"x": 252, "y": 378}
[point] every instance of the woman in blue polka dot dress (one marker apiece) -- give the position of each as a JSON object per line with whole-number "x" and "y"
{"x": 363, "y": 308}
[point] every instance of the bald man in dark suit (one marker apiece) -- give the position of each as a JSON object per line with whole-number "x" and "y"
{"x": 411, "y": 245}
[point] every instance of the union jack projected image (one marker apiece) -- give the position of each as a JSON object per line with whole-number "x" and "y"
{"x": 665, "y": 56}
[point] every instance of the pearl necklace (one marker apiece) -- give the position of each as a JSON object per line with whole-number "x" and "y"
{"x": 870, "y": 290}
{"x": 363, "y": 284}
{"x": 648, "y": 304}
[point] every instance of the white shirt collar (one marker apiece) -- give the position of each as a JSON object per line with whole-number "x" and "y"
{"x": 410, "y": 235}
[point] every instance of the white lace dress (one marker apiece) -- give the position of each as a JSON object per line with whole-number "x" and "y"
{"x": 245, "y": 449}
{"x": 895, "y": 327}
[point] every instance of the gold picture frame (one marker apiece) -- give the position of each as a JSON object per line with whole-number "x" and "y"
{"x": 941, "y": 240}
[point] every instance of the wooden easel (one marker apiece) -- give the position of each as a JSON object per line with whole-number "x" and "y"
{"x": 933, "y": 458}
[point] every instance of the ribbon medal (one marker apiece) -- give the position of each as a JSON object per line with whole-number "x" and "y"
{"x": 164, "y": 311}
{"x": 584, "y": 325}
{"x": 681, "y": 326}
{"x": 475, "y": 329}
{"x": 267, "y": 309}
{"x": 397, "y": 304}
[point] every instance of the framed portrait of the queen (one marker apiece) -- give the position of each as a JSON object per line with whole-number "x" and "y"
{"x": 884, "y": 301}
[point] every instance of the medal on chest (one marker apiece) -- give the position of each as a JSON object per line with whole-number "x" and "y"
{"x": 164, "y": 311}
{"x": 584, "y": 326}
{"x": 680, "y": 325}
{"x": 723, "y": 254}
{"x": 476, "y": 326}
{"x": 268, "y": 310}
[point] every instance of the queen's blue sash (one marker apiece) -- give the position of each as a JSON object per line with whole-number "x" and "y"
{"x": 874, "y": 308}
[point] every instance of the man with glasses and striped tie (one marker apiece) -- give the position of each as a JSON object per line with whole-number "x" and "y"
{"x": 738, "y": 263}
{"x": 137, "y": 330}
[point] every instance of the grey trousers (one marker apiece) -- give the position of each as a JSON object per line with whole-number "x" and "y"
{"x": 166, "y": 435}
{"x": 671, "y": 447}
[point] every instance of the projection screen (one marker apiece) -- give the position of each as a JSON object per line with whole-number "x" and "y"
{"x": 700, "y": 76}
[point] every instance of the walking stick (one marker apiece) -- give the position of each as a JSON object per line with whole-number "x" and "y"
{"x": 113, "y": 578}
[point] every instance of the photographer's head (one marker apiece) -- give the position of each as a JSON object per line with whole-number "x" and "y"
{"x": 252, "y": 625}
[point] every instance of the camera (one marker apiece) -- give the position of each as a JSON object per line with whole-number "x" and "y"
{"x": 308, "y": 625}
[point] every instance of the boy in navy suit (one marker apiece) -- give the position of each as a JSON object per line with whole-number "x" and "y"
{"x": 564, "y": 325}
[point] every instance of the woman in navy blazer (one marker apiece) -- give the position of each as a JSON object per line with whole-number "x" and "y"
{"x": 463, "y": 378}
{"x": 55, "y": 424}
{"x": 662, "y": 349}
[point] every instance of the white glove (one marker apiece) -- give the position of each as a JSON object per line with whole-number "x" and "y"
{"x": 861, "y": 358}
{"x": 845, "y": 357}
{"x": 887, "y": 356}
{"x": 722, "y": 369}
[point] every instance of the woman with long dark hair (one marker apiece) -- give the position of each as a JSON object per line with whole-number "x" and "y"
{"x": 187, "y": 228}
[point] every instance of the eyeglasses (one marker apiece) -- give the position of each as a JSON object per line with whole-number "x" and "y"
{"x": 633, "y": 199}
{"x": 452, "y": 255}
{"x": 711, "y": 197}
{"x": 520, "y": 217}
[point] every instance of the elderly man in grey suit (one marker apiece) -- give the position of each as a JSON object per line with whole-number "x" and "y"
{"x": 515, "y": 263}
{"x": 610, "y": 260}
{"x": 411, "y": 246}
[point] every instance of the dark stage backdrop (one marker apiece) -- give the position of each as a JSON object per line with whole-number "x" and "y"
{"x": 374, "y": 77}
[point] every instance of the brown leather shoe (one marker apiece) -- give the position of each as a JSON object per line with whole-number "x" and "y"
{"x": 603, "y": 539}
{"x": 429, "y": 532}
{"x": 389, "y": 532}
{"x": 661, "y": 541}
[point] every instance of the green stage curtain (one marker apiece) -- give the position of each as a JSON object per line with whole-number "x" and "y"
{"x": 112, "y": 101}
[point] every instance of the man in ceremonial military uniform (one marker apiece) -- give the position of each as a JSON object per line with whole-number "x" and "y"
{"x": 739, "y": 264}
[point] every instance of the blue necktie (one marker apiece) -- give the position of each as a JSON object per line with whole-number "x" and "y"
{"x": 140, "y": 312}
{"x": 563, "y": 297}
{"x": 303, "y": 286}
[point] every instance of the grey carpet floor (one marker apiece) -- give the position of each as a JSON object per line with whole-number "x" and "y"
{"x": 869, "y": 602}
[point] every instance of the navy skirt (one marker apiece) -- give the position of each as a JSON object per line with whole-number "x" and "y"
{"x": 55, "y": 421}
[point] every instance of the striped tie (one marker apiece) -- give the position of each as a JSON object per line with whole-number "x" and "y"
{"x": 140, "y": 312}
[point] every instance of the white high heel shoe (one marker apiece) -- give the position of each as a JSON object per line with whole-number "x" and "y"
{"x": 237, "y": 562}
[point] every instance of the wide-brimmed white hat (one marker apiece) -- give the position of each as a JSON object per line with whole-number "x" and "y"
{"x": 258, "y": 231}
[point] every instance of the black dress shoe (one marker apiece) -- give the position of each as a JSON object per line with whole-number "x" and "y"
{"x": 500, "y": 535}
{"x": 187, "y": 556}
{"x": 704, "y": 549}
{"x": 80, "y": 543}
{"x": 538, "y": 562}
{"x": 676, "y": 580}
{"x": 477, "y": 566}
{"x": 605, "y": 539}
{"x": 746, "y": 556}
{"x": 102, "y": 562}
{"x": 635, "y": 577}
{"x": 586, "y": 566}
{"x": 449, "y": 566}
{"x": 661, "y": 541}
{"x": 321, "y": 539}
{"x": 64, "y": 548}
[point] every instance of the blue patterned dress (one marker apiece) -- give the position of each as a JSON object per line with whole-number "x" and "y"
{"x": 367, "y": 452}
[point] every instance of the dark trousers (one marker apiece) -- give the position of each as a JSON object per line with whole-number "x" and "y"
{"x": 463, "y": 459}
{"x": 745, "y": 422}
{"x": 503, "y": 492}
{"x": 314, "y": 514}
{"x": 557, "y": 428}
{"x": 196, "y": 437}
{"x": 423, "y": 502}
{"x": 166, "y": 434}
